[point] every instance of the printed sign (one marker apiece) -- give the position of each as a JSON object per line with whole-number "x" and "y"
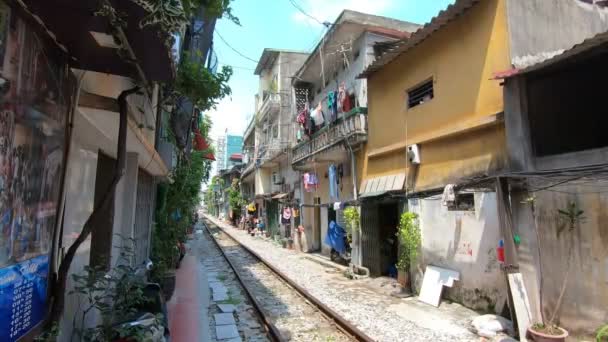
{"x": 33, "y": 111}
{"x": 22, "y": 297}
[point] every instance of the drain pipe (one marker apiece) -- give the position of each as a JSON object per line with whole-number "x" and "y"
{"x": 356, "y": 267}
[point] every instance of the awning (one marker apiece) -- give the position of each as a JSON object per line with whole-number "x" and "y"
{"x": 380, "y": 185}
{"x": 279, "y": 196}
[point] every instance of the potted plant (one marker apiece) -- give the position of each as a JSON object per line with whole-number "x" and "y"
{"x": 602, "y": 334}
{"x": 547, "y": 331}
{"x": 410, "y": 239}
{"x": 352, "y": 218}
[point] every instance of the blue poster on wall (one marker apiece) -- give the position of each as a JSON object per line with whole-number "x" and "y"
{"x": 22, "y": 297}
{"x": 33, "y": 105}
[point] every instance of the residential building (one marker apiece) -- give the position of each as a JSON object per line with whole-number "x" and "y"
{"x": 234, "y": 151}
{"x": 343, "y": 53}
{"x": 249, "y": 153}
{"x": 446, "y": 141}
{"x": 274, "y": 132}
{"x": 220, "y": 150}
{"x": 227, "y": 176}
{"x": 556, "y": 143}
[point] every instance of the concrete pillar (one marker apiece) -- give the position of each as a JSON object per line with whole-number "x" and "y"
{"x": 519, "y": 143}
{"x": 124, "y": 206}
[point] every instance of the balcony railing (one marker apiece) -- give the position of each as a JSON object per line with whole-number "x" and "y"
{"x": 271, "y": 104}
{"x": 352, "y": 127}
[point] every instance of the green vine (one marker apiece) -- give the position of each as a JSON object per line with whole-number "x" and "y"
{"x": 235, "y": 198}
{"x": 409, "y": 240}
{"x": 177, "y": 203}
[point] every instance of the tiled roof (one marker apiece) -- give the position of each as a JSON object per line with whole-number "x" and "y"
{"x": 452, "y": 12}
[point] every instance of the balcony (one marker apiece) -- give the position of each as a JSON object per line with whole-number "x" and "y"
{"x": 271, "y": 104}
{"x": 352, "y": 128}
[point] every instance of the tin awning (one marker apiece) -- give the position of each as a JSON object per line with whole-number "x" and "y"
{"x": 380, "y": 185}
{"x": 279, "y": 196}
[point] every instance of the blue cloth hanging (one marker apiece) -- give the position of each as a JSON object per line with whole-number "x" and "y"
{"x": 335, "y": 237}
{"x": 333, "y": 183}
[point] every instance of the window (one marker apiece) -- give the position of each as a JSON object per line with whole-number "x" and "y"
{"x": 464, "y": 202}
{"x": 420, "y": 94}
{"x": 356, "y": 55}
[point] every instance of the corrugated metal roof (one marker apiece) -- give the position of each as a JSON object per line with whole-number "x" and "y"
{"x": 596, "y": 42}
{"x": 380, "y": 185}
{"x": 443, "y": 18}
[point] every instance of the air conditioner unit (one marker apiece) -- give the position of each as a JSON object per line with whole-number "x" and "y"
{"x": 413, "y": 154}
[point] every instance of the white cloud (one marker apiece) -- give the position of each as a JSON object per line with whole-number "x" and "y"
{"x": 328, "y": 10}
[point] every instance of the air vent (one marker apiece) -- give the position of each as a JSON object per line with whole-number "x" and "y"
{"x": 420, "y": 94}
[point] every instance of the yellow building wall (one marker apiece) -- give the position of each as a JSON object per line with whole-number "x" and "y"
{"x": 461, "y": 58}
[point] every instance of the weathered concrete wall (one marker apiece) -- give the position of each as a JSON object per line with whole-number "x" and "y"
{"x": 364, "y": 47}
{"x": 586, "y": 297}
{"x": 262, "y": 181}
{"x": 540, "y": 28}
{"x": 464, "y": 241}
{"x": 124, "y": 207}
{"x": 79, "y": 192}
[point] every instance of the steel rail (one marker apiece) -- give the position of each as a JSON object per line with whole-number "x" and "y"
{"x": 340, "y": 322}
{"x": 270, "y": 328}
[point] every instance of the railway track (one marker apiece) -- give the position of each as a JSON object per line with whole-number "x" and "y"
{"x": 289, "y": 312}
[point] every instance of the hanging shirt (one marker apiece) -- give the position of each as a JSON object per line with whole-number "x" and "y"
{"x": 332, "y": 105}
{"x": 286, "y": 217}
{"x": 306, "y": 180}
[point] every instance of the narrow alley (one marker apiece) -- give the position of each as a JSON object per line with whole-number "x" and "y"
{"x": 303, "y": 170}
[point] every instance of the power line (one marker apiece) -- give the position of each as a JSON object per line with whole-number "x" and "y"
{"x": 233, "y": 49}
{"x": 294, "y": 4}
{"x": 237, "y": 67}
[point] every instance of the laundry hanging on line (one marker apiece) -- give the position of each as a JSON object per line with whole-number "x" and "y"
{"x": 333, "y": 183}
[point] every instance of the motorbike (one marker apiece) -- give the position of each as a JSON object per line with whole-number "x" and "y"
{"x": 150, "y": 317}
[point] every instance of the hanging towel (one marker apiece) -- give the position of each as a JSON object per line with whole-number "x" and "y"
{"x": 449, "y": 196}
{"x": 333, "y": 183}
{"x": 317, "y": 115}
{"x": 341, "y": 97}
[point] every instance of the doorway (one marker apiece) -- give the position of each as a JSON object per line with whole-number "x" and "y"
{"x": 272, "y": 217}
{"x": 317, "y": 224}
{"x": 388, "y": 221}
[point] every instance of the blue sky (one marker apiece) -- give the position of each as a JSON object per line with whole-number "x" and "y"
{"x": 278, "y": 24}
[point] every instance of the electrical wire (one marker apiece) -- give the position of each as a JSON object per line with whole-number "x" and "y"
{"x": 233, "y": 49}
{"x": 294, "y": 4}
{"x": 237, "y": 67}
